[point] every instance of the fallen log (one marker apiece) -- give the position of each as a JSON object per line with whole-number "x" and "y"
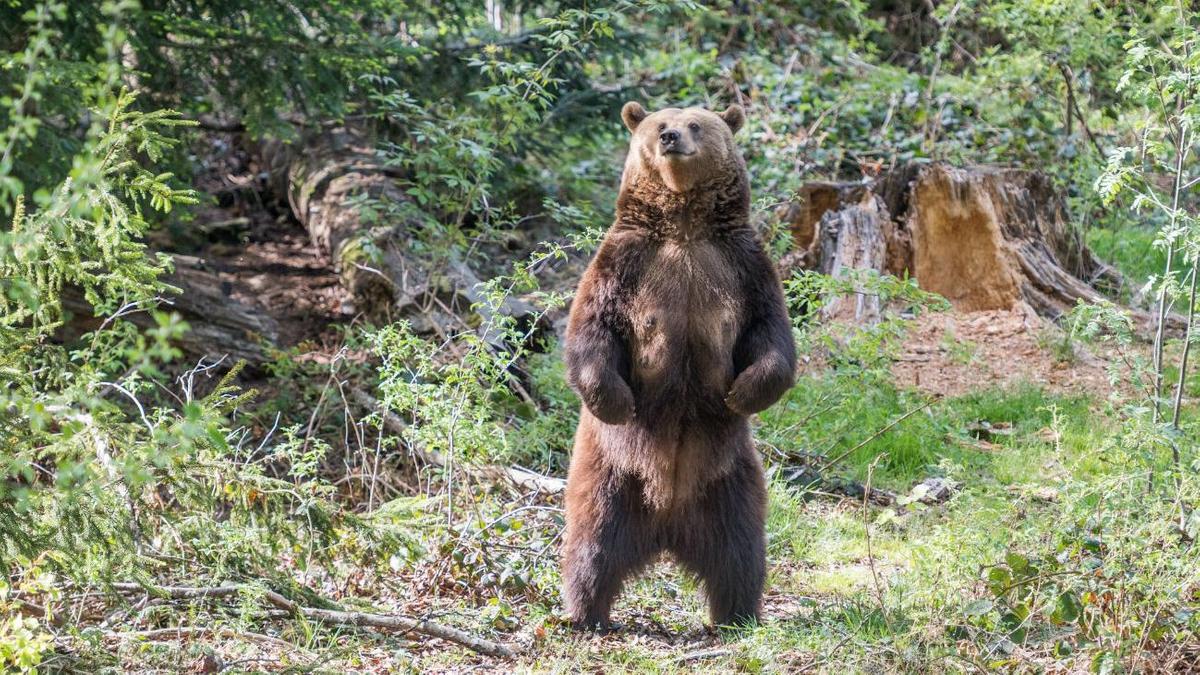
{"x": 807, "y": 477}
{"x": 326, "y": 178}
{"x": 220, "y": 326}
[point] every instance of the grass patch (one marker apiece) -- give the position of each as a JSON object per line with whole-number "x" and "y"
{"x": 1131, "y": 250}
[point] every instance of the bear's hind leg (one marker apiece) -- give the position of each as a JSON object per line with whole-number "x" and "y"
{"x": 608, "y": 539}
{"x": 722, "y": 540}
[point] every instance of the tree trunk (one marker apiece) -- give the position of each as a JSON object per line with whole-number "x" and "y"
{"x": 985, "y": 238}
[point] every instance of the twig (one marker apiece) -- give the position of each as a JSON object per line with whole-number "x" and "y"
{"x": 879, "y": 433}
{"x": 406, "y": 624}
{"x": 1073, "y": 107}
{"x": 702, "y": 654}
{"x": 365, "y": 619}
{"x": 179, "y": 632}
{"x": 870, "y": 552}
{"x": 1180, "y": 152}
{"x": 1187, "y": 348}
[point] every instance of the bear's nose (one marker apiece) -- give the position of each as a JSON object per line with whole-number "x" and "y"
{"x": 669, "y": 137}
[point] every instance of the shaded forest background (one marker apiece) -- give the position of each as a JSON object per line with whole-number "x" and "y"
{"x": 283, "y": 285}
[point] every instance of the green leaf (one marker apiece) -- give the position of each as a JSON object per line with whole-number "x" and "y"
{"x": 978, "y": 608}
{"x": 1068, "y": 608}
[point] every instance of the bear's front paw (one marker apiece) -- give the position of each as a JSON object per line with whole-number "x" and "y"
{"x": 611, "y": 402}
{"x": 739, "y": 400}
{"x": 734, "y": 403}
{"x": 759, "y": 386}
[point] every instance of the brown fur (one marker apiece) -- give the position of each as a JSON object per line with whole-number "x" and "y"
{"x": 677, "y": 334}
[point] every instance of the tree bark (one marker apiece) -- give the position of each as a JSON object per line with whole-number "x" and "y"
{"x": 325, "y": 179}
{"x": 852, "y": 238}
{"x": 220, "y": 327}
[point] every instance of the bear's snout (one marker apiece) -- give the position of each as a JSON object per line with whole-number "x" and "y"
{"x": 669, "y": 140}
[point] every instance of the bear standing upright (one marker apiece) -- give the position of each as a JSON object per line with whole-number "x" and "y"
{"x": 678, "y": 332}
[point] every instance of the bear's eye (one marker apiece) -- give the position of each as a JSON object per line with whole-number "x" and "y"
{"x": 662, "y": 127}
{"x": 694, "y": 127}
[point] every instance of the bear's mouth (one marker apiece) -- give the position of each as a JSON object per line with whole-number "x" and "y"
{"x": 678, "y": 152}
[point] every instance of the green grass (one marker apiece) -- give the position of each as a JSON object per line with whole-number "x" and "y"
{"x": 1131, "y": 250}
{"x": 831, "y": 416}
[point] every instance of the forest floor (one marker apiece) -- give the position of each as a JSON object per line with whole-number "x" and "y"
{"x": 954, "y": 353}
{"x": 1011, "y": 416}
{"x": 839, "y": 581}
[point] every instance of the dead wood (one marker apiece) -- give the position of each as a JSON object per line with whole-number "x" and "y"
{"x": 985, "y": 238}
{"x": 852, "y": 238}
{"x": 345, "y": 618}
{"x": 702, "y": 655}
{"x": 220, "y": 326}
{"x": 180, "y": 632}
{"x": 326, "y": 178}
{"x": 808, "y": 477}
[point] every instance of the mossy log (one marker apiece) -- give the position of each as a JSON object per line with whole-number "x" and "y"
{"x": 327, "y": 179}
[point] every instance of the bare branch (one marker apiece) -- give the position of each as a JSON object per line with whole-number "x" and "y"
{"x": 363, "y": 619}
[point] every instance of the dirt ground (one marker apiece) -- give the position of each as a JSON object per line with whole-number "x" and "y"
{"x": 952, "y": 353}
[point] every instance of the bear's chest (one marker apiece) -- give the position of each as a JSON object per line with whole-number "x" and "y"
{"x": 687, "y": 307}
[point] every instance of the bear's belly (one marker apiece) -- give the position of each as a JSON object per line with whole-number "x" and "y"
{"x": 685, "y": 318}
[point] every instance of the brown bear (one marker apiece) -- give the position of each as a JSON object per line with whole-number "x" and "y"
{"x": 677, "y": 333}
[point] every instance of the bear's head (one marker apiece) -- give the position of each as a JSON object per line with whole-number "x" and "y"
{"x": 683, "y": 147}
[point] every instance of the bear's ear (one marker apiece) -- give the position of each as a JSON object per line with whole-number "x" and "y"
{"x": 735, "y": 117}
{"x": 632, "y": 115}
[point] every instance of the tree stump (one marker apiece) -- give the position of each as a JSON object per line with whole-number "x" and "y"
{"x": 852, "y": 237}
{"x": 985, "y": 238}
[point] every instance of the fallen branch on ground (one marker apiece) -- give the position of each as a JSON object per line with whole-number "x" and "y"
{"x": 809, "y": 478}
{"x": 702, "y": 655}
{"x": 363, "y": 619}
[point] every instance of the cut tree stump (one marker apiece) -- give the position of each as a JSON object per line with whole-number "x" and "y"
{"x": 849, "y": 238}
{"x": 984, "y": 238}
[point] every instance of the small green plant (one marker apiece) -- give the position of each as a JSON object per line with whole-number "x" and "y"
{"x": 1059, "y": 343}
{"x": 963, "y": 352}
{"x": 867, "y": 348}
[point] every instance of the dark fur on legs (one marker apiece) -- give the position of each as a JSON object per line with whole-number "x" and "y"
{"x": 721, "y": 539}
{"x": 608, "y": 539}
